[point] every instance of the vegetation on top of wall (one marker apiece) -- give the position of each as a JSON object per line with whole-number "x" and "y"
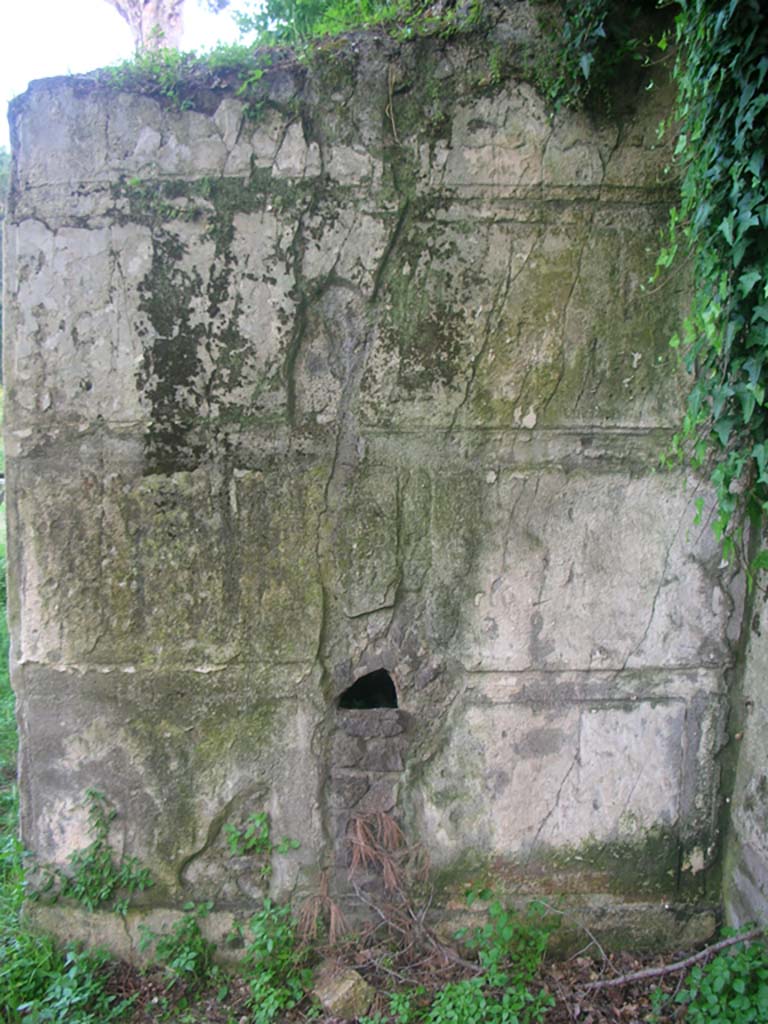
{"x": 286, "y": 30}
{"x": 584, "y": 45}
{"x": 169, "y": 74}
{"x": 293, "y": 22}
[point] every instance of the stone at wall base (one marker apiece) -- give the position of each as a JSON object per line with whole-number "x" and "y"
{"x": 615, "y": 924}
{"x": 600, "y": 918}
{"x": 121, "y": 936}
{"x": 342, "y": 992}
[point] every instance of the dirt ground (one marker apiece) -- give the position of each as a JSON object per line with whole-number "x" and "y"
{"x": 567, "y": 981}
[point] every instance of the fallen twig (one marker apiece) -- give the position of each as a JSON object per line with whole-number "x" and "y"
{"x": 658, "y": 972}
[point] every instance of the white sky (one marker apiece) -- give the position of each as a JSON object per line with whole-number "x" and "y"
{"x": 43, "y": 38}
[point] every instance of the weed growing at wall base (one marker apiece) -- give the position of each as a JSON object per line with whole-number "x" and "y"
{"x": 501, "y": 989}
{"x": 731, "y": 989}
{"x": 76, "y": 993}
{"x": 275, "y": 966}
{"x": 184, "y": 951}
{"x": 96, "y": 878}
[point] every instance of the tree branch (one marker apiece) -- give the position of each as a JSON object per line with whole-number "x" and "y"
{"x": 658, "y": 972}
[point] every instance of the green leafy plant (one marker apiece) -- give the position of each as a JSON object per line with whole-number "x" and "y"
{"x": 77, "y": 993}
{"x": 586, "y": 43}
{"x": 96, "y": 877}
{"x": 509, "y": 950}
{"x": 27, "y": 961}
{"x": 721, "y": 223}
{"x": 275, "y": 965}
{"x": 576, "y": 34}
{"x": 297, "y": 21}
{"x": 39, "y": 982}
{"x": 509, "y": 946}
{"x": 496, "y": 65}
{"x": 731, "y": 989}
{"x": 172, "y": 75}
{"x": 405, "y": 1007}
{"x": 184, "y": 951}
{"x": 254, "y": 838}
{"x": 163, "y": 69}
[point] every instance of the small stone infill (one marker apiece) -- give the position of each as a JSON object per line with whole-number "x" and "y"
{"x": 367, "y": 758}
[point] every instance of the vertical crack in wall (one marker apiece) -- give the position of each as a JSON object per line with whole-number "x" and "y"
{"x": 495, "y": 313}
{"x": 574, "y": 765}
{"x": 566, "y": 309}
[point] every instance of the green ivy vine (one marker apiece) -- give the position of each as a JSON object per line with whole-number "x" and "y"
{"x": 721, "y": 224}
{"x": 586, "y": 44}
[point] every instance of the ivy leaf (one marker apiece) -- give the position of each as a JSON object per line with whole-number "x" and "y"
{"x": 747, "y": 282}
{"x": 760, "y": 561}
{"x": 585, "y": 63}
{"x": 723, "y": 428}
{"x": 703, "y": 210}
{"x": 754, "y": 366}
{"x": 747, "y": 220}
{"x": 760, "y": 455}
{"x": 727, "y": 227}
{"x": 747, "y": 400}
{"x": 719, "y": 398}
{"x": 738, "y": 251}
{"x": 755, "y": 164}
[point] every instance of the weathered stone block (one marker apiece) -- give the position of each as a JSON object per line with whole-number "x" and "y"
{"x": 377, "y": 722}
{"x": 746, "y": 875}
{"x": 342, "y": 993}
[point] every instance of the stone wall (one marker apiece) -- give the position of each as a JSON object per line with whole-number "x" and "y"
{"x": 367, "y": 382}
{"x": 746, "y": 871}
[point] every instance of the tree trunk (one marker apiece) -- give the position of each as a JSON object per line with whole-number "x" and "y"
{"x": 155, "y": 23}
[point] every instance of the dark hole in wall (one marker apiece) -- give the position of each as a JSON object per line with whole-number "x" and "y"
{"x": 373, "y": 690}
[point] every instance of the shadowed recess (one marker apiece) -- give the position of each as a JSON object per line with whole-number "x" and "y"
{"x": 373, "y": 690}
